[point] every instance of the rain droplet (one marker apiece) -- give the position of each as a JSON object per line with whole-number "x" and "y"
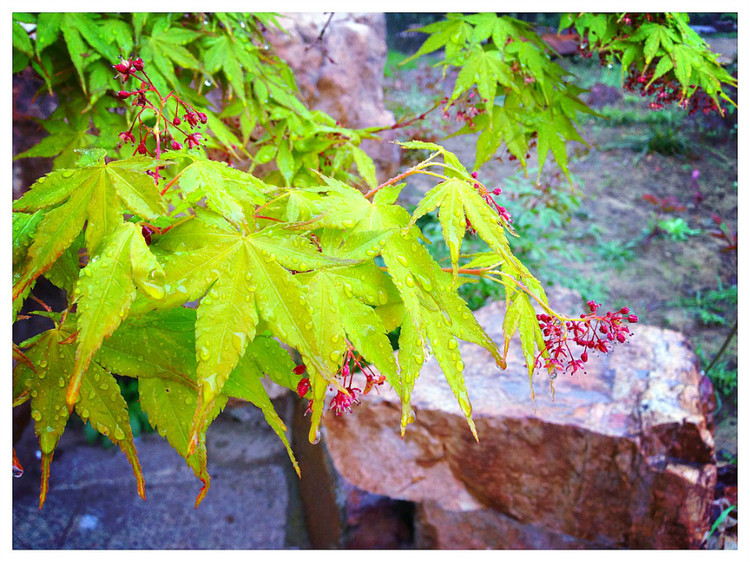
{"x": 36, "y": 414}
{"x": 452, "y": 344}
{"x": 65, "y": 174}
{"x": 84, "y": 413}
{"x": 42, "y": 363}
{"x": 402, "y": 260}
{"x": 119, "y": 433}
{"x": 409, "y": 281}
{"x": 238, "y": 341}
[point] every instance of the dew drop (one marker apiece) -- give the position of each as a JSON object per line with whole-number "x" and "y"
{"x": 316, "y": 437}
{"x": 34, "y": 393}
{"x": 452, "y": 344}
{"x": 204, "y": 354}
{"x": 402, "y": 260}
{"x": 347, "y": 223}
{"x": 84, "y": 413}
{"x": 409, "y": 281}
{"x": 460, "y": 365}
{"x": 36, "y": 414}
{"x": 41, "y": 374}
{"x": 239, "y": 340}
{"x": 61, "y": 382}
{"x": 334, "y": 356}
{"x": 119, "y": 433}
{"x": 382, "y": 297}
{"x": 42, "y": 363}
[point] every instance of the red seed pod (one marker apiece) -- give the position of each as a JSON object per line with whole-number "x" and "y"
{"x": 303, "y": 387}
{"x": 632, "y": 319}
{"x": 299, "y": 370}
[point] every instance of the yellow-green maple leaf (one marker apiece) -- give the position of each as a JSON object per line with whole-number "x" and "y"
{"x": 95, "y": 195}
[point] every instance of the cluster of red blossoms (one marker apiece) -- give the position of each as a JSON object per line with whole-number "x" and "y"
{"x": 162, "y": 131}
{"x": 502, "y": 212}
{"x": 592, "y": 331}
{"x": 666, "y": 91}
{"x": 343, "y": 402}
{"x": 663, "y": 90}
{"x": 465, "y": 109}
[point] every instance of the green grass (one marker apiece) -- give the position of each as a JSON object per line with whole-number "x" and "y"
{"x": 393, "y": 63}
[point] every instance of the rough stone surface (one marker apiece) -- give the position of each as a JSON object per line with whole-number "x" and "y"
{"x": 92, "y": 501}
{"x": 342, "y": 72}
{"x": 623, "y": 456}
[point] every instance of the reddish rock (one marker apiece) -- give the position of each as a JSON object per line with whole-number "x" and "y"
{"x": 341, "y": 71}
{"x": 623, "y": 456}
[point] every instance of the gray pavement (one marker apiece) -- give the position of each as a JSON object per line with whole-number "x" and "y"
{"x": 93, "y": 504}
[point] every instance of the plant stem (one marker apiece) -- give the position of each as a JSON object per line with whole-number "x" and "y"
{"x": 721, "y": 351}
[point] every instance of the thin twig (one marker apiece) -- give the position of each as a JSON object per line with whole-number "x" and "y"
{"x": 732, "y": 332}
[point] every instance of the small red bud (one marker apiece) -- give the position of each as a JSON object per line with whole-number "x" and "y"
{"x": 632, "y": 319}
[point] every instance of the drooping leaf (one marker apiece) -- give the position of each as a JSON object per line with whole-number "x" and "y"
{"x": 52, "y": 357}
{"x": 245, "y": 383}
{"x": 106, "y": 290}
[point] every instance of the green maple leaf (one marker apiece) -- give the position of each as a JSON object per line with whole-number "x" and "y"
{"x": 85, "y": 35}
{"x": 437, "y": 314}
{"x": 227, "y": 191}
{"x": 244, "y": 278}
{"x": 245, "y": 383}
{"x": 169, "y": 406}
{"x": 106, "y": 289}
{"x": 95, "y": 195}
{"x": 158, "y": 348}
{"x": 101, "y": 403}
{"x": 457, "y": 199}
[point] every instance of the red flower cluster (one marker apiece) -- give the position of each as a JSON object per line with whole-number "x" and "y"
{"x": 502, "y": 212}
{"x": 163, "y": 130}
{"x": 343, "y": 402}
{"x": 591, "y": 331}
{"x": 665, "y": 91}
{"x": 466, "y": 108}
